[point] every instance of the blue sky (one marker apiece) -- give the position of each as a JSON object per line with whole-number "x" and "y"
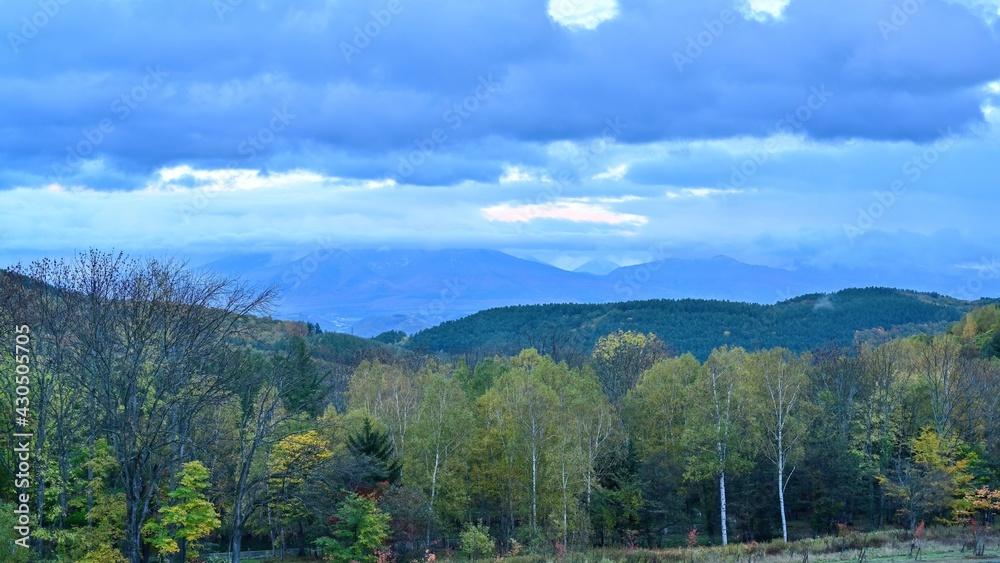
{"x": 840, "y": 134}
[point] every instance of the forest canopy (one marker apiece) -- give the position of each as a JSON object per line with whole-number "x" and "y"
{"x": 171, "y": 417}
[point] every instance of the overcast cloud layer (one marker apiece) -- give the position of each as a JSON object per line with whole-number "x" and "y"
{"x": 842, "y": 134}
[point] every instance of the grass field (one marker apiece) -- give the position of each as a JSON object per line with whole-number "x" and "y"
{"x": 942, "y": 545}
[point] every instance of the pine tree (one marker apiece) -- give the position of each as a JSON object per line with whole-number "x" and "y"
{"x": 373, "y": 446}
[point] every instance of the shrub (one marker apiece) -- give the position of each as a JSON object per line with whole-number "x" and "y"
{"x": 361, "y": 529}
{"x": 476, "y": 541}
{"x": 776, "y": 547}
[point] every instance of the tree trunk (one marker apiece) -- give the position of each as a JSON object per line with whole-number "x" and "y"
{"x": 434, "y": 474}
{"x": 236, "y": 544}
{"x": 722, "y": 507}
{"x": 781, "y": 493}
{"x": 565, "y": 514}
{"x": 534, "y": 489}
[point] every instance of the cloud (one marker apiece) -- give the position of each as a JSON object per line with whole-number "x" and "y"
{"x": 576, "y": 212}
{"x": 702, "y": 193}
{"x": 553, "y": 85}
{"x": 613, "y": 173}
{"x": 764, "y": 10}
{"x": 582, "y": 14}
{"x": 989, "y": 10}
{"x": 518, "y": 174}
{"x": 578, "y": 130}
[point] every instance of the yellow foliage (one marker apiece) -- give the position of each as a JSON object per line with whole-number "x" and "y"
{"x": 299, "y": 454}
{"x": 946, "y": 455}
{"x": 613, "y": 344}
{"x": 983, "y": 500}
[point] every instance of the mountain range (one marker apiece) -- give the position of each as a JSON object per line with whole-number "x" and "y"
{"x": 367, "y": 292}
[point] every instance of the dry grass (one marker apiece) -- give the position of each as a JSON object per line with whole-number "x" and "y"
{"x": 943, "y": 545}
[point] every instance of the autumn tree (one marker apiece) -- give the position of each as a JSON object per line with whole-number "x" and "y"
{"x": 531, "y": 403}
{"x": 934, "y": 480}
{"x": 885, "y": 373}
{"x": 295, "y": 466}
{"x": 939, "y": 362}
{"x": 391, "y": 394}
{"x": 438, "y": 456}
{"x": 149, "y": 335}
{"x": 260, "y": 417}
{"x": 188, "y": 517}
{"x": 781, "y": 384}
{"x": 718, "y": 412}
{"x": 621, "y": 357}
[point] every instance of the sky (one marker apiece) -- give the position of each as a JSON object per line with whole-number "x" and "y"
{"x": 842, "y": 134}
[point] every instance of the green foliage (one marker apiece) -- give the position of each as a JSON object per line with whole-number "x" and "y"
{"x": 620, "y": 358}
{"x": 305, "y": 392}
{"x": 360, "y": 529}
{"x": 349, "y": 350}
{"x": 991, "y": 345}
{"x": 374, "y": 446}
{"x": 189, "y": 516}
{"x": 390, "y": 337}
{"x": 437, "y": 458}
{"x": 9, "y": 551}
{"x": 525, "y": 441}
{"x": 695, "y": 325}
{"x": 99, "y": 542}
{"x": 476, "y": 541}
{"x": 477, "y": 382}
{"x": 617, "y": 505}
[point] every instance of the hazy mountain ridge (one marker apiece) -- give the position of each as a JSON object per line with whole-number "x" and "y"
{"x": 698, "y": 326}
{"x": 371, "y": 291}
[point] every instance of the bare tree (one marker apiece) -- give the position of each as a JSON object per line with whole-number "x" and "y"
{"x": 939, "y": 362}
{"x": 145, "y": 349}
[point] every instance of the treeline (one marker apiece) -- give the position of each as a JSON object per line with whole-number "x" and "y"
{"x": 167, "y": 420}
{"x": 569, "y": 331}
{"x": 635, "y": 447}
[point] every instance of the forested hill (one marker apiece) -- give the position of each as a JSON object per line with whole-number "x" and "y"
{"x": 695, "y": 325}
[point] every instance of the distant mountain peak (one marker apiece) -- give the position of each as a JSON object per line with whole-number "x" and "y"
{"x": 367, "y": 289}
{"x": 598, "y": 267}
